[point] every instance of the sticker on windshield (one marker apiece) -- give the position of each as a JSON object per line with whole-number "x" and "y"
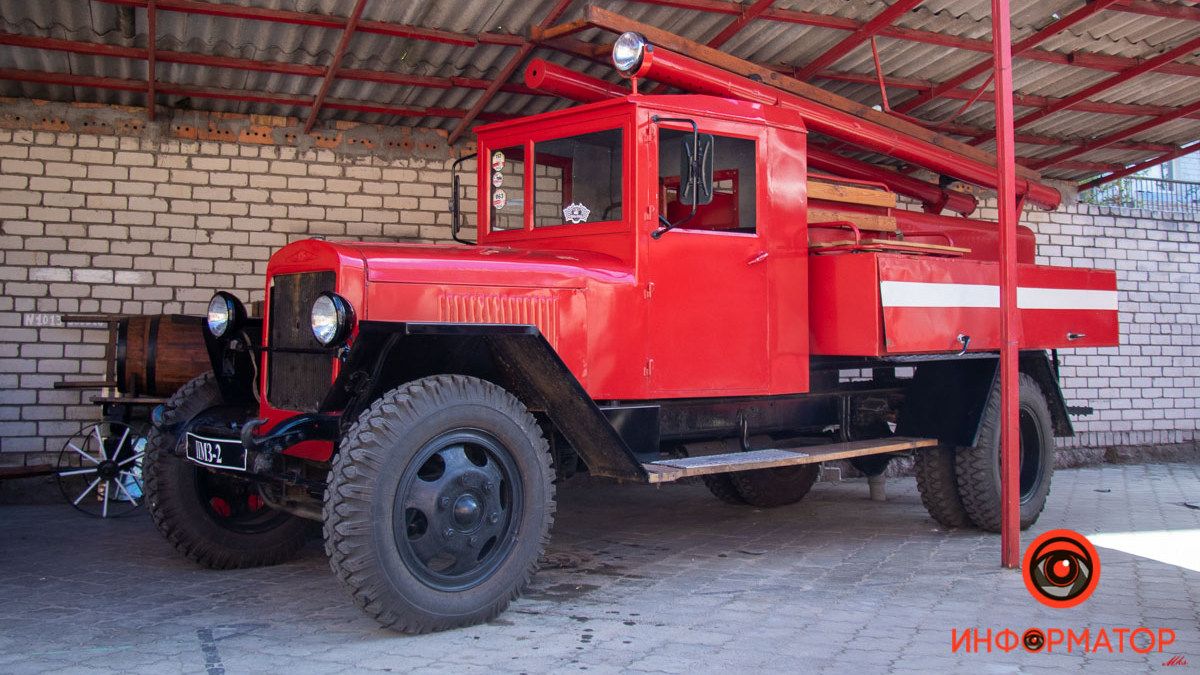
{"x": 576, "y": 213}
{"x": 499, "y": 199}
{"x": 497, "y": 179}
{"x": 497, "y": 160}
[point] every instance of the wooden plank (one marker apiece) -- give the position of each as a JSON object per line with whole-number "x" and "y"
{"x": 850, "y": 194}
{"x": 129, "y": 400}
{"x": 86, "y": 384}
{"x": 667, "y": 470}
{"x": 616, "y": 23}
{"x": 863, "y": 221}
{"x": 891, "y": 244}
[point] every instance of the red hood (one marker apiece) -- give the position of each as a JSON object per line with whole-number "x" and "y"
{"x": 443, "y": 264}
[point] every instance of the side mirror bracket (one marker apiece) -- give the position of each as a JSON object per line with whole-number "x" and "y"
{"x": 696, "y": 173}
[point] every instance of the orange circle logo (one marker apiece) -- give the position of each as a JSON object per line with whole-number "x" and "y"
{"x": 1061, "y": 568}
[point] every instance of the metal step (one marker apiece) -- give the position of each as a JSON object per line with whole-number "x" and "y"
{"x": 667, "y": 470}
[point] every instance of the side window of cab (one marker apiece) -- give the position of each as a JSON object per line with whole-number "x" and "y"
{"x": 733, "y": 205}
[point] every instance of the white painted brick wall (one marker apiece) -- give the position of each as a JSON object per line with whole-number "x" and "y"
{"x": 120, "y": 224}
{"x": 128, "y": 225}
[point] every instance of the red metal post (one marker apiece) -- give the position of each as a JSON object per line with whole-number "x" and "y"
{"x": 864, "y": 32}
{"x": 1140, "y": 166}
{"x": 151, "y": 35}
{"x": 331, "y": 71}
{"x": 1010, "y": 518}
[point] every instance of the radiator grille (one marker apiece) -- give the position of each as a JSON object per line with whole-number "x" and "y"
{"x": 537, "y": 311}
{"x": 297, "y": 381}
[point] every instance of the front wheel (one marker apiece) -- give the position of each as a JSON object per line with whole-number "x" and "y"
{"x": 214, "y": 519}
{"x": 439, "y": 504}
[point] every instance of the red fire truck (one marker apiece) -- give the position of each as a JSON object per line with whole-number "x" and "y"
{"x": 660, "y": 287}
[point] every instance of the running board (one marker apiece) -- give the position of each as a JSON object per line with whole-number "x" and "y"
{"x": 667, "y": 470}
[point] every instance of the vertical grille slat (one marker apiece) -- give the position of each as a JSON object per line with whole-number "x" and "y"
{"x": 297, "y": 381}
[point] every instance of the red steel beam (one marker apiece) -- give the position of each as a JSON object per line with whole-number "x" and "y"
{"x": 119, "y": 84}
{"x": 1141, "y": 166}
{"x": 864, "y": 32}
{"x": 1020, "y": 100}
{"x": 505, "y": 73}
{"x": 1146, "y": 66}
{"x": 1159, "y": 9}
{"x": 984, "y": 46}
{"x": 401, "y": 79}
{"x": 1134, "y": 130}
{"x": 1084, "y": 60}
{"x": 751, "y": 13}
{"x": 151, "y": 47}
{"x": 334, "y": 63}
{"x": 1010, "y": 320}
{"x": 232, "y": 11}
{"x": 1088, "y": 10}
{"x": 281, "y": 67}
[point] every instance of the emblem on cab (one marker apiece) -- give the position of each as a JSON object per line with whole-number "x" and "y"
{"x": 576, "y": 213}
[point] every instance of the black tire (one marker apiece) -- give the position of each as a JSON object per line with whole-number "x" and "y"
{"x": 978, "y": 468}
{"x": 722, "y": 487}
{"x": 236, "y": 531}
{"x": 425, "y": 473}
{"x": 938, "y": 485}
{"x": 767, "y": 488}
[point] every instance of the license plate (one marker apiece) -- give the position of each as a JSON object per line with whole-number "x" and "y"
{"x": 218, "y": 453}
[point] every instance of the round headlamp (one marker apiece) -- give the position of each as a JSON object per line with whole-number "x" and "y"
{"x": 332, "y": 318}
{"x": 627, "y": 52}
{"x": 226, "y": 314}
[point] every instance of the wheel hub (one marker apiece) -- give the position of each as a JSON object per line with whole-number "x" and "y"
{"x": 467, "y": 512}
{"x": 454, "y": 511}
{"x": 108, "y": 469}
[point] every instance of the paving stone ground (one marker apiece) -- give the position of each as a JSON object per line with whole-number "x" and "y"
{"x": 637, "y": 579}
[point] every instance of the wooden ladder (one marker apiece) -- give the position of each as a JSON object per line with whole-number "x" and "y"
{"x": 667, "y": 470}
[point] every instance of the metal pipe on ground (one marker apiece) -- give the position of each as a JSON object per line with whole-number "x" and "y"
{"x": 560, "y": 81}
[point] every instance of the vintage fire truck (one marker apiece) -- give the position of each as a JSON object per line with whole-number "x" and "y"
{"x": 660, "y": 287}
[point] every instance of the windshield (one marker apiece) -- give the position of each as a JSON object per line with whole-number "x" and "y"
{"x": 576, "y": 179}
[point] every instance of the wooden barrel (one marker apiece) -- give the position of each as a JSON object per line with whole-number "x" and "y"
{"x": 158, "y": 354}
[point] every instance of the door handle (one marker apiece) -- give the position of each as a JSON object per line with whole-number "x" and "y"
{"x": 757, "y": 259}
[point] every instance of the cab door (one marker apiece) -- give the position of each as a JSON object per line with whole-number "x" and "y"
{"x": 707, "y": 281}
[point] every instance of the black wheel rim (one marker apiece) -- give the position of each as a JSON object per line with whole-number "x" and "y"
{"x": 235, "y": 504}
{"x": 455, "y": 512}
{"x": 1031, "y": 455}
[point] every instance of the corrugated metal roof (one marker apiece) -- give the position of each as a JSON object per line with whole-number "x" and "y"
{"x": 1114, "y": 33}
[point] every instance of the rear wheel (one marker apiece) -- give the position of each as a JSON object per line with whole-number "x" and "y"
{"x": 722, "y": 487}
{"x": 439, "y": 504}
{"x": 213, "y": 519}
{"x": 768, "y": 488}
{"x": 978, "y": 468}
{"x": 938, "y": 485}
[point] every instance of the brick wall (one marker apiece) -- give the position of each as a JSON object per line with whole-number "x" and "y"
{"x": 101, "y": 213}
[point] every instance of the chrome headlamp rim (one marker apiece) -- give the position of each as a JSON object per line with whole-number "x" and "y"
{"x": 342, "y": 315}
{"x": 628, "y": 52}
{"x": 226, "y": 315}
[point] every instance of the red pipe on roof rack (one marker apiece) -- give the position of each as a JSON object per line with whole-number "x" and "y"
{"x": 555, "y": 79}
{"x": 686, "y": 73}
{"x": 560, "y": 81}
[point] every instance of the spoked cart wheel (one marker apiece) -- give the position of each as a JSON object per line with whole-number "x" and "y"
{"x": 99, "y": 469}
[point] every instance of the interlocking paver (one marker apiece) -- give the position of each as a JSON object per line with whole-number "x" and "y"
{"x": 637, "y": 579}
